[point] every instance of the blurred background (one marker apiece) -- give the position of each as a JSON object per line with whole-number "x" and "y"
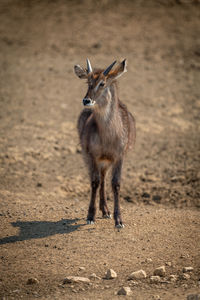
{"x": 41, "y": 98}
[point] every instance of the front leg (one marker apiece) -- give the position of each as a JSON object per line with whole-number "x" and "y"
{"x": 116, "y": 177}
{"x": 95, "y": 181}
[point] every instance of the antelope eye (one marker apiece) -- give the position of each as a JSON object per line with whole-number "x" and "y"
{"x": 102, "y": 84}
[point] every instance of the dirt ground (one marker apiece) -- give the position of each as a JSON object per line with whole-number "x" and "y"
{"x": 44, "y": 186}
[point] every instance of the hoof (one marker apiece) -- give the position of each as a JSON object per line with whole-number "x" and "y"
{"x": 119, "y": 226}
{"x": 89, "y": 222}
{"x": 107, "y": 216}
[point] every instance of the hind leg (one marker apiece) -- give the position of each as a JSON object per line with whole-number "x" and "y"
{"x": 102, "y": 193}
{"x": 116, "y": 177}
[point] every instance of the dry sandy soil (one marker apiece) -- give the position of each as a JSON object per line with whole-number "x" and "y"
{"x": 44, "y": 187}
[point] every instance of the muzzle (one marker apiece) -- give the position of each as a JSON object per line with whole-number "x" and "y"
{"x": 88, "y": 102}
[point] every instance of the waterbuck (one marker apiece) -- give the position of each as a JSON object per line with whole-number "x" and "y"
{"x": 106, "y": 130}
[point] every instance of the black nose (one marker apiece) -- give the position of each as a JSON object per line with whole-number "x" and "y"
{"x": 86, "y": 101}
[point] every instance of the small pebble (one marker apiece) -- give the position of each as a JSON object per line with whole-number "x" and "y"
{"x": 193, "y": 297}
{"x": 156, "y": 198}
{"x": 173, "y": 278}
{"x": 126, "y": 291}
{"x": 156, "y": 297}
{"x": 155, "y": 279}
{"x": 94, "y": 276}
{"x": 185, "y": 276}
{"x": 106, "y": 287}
{"x": 168, "y": 263}
{"x": 187, "y": 269}
{"x": 140, "y": 274}
{"x": 16, "y": 291}
{"x": 32, "y": 281}
{"x": 111, "y": 274}
{"x": 134, "y": 282}
{"x": 73, "y": 279}
{"x": 184, "y": 256}
{"x": 146, "y": 195}
{"x": 160, "y": 271}
{"x": 148, "y": 260}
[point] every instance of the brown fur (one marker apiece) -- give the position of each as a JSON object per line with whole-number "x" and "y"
{"x": 106, "y": 132}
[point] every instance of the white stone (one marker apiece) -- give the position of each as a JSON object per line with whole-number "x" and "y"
{"x": 32, "y": 281}
{"x": 173, "y": 278}
{"x": 94, "y": 276}
{"x": 111, "y": 274}
{"x": 148, "y": 260}
{"x": 168, "y": 263}
{"x": 74, "y": 279}
{"x": 140, "y": 274}
{"x": 187, "y": 269}
{"x": 160, "y": 271}
{"x": 156, "y": 297}
{"x": 155, "y": 279}
{"x": 126, "y": 291}
{"x": 185, "y": 276}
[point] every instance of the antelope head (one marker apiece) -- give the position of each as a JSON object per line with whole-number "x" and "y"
{"x": 99, "y": 81}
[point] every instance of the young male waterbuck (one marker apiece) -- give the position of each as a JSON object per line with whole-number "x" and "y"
{"x": 106, "y": 130}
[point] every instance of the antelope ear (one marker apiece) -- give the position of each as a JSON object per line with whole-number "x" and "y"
{"x": 80, "y": 72}
{"x": 118, "y": 71}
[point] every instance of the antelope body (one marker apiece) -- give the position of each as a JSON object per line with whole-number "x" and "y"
{"x": 106, "y": 130}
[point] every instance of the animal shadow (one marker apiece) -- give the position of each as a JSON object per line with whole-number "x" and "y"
{"x": 41, "y": 229}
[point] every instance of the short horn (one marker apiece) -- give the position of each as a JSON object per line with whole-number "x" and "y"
{"x": 105, "y": 73}
{"x": 89, "y": 67}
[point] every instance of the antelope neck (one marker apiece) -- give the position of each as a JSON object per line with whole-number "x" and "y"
{"x": 107, "y": 116}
